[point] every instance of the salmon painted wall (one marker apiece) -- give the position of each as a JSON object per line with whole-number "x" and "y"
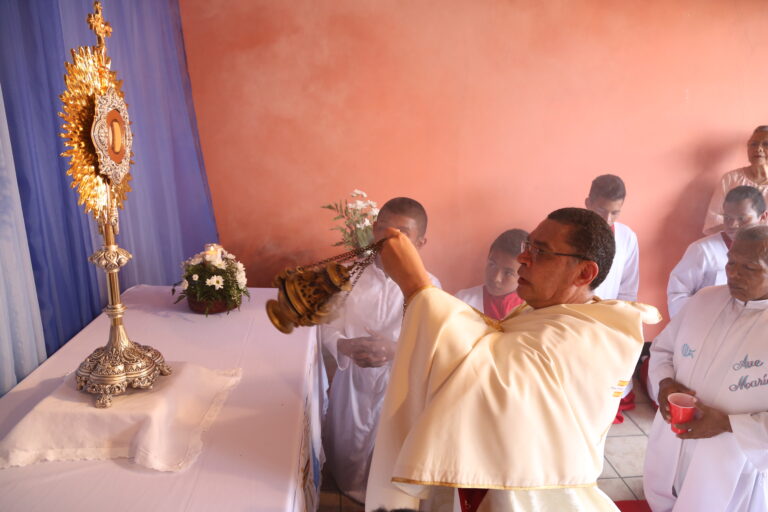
{"x": 491, "y": 113}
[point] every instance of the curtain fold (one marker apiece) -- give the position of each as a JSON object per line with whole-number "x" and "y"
{"x": 22, "y": 347}
{"x": 168, "y": 215}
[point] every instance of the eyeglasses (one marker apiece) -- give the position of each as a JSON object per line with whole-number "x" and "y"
{"x": 534, "y": 251}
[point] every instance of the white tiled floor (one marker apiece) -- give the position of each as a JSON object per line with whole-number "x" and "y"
{"x": 622, "y": 478}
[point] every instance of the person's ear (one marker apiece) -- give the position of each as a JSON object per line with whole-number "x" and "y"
{"x": 763, "y": 217}
{"x": 587, "y": 273}
{"x": 421, "y": 242}
{"x": 587, "y": 203}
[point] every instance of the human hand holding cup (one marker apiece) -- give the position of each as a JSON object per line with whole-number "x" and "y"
{"x": 682, "y": 407}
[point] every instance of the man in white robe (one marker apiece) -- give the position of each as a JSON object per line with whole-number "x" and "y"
{"x": 362, "y": 340}
{"x": 497, "y": 297}
{"x": 703, "y": 263}
{"x": 753, "y": 175}
{"x": 518, "y": 410}
{"x": 606, "y": 198}
{"x": 716, "y": 349}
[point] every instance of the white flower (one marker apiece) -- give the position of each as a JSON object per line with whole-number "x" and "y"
{"x": 184, "y": 284}
{"x": 195, "y": 260}
{"x": 195, "y": 277}
{"x": 358, "y": 193}
{"x": 374, "y": 211}
{"x": 364, "y": 224}
{"x": 215, "y": 281}
{"x": 357, "y": 205}
{"x": 219, "y": 264}
{"x": 230, "y": 256}
{"x": 241, "y": 280}
{"x": 240, "y": 267}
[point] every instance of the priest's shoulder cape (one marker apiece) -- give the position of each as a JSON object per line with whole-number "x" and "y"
{"x": 520, "y": 404}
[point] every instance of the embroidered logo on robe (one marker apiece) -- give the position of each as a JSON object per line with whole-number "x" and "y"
{"x": 618, "y": 389}
{"x": 687, "y": 351}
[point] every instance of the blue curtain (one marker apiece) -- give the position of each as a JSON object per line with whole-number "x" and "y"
{"x": 22, "y": 347}
{"x": 168, "y": 215}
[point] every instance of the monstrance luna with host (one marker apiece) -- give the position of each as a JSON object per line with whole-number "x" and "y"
{"x": 98, "y": 134}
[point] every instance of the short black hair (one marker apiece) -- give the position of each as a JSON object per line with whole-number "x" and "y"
{"x": 738, "y": 194}
{"x": 510, "y": 242}
{"x": 608, "y": 186}
{"x": 590, "y": 236}
{"x": 408, "y": 207}
{"x": 761, "y": 128}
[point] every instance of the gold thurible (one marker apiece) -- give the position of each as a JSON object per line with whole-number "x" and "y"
{"x": 310, "y": 295}
{"x": 98, "y": 134}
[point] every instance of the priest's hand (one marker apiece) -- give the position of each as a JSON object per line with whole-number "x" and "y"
{"x": 710, "y": 423}
{"x": 667, "y": 387}
{"x": 403, "y": 264}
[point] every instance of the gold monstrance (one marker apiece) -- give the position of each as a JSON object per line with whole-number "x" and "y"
{"x": 98, "y": 134}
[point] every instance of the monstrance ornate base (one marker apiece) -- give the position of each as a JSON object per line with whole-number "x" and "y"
{"x": 110, "y": 369}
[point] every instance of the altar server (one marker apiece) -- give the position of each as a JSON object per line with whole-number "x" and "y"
{"x": 497, "y": 297}
{"x": 753, "y": 175}
{"x": 363, "y": 340}
{"x": 703, "y": 263}
{"x": 606, "y": 198}
{"x": 716, "y": 349}
{"x": 514, "y": 412}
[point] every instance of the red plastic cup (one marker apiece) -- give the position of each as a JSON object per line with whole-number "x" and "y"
{"x": 682, "y": 406}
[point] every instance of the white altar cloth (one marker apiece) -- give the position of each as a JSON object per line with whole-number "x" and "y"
{"x": 261, "y": 453}
{"x": 159, "y": 428}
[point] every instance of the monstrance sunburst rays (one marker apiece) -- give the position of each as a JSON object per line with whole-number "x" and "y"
{"x": 89, "y": 76}
{"x": 98, "y": 134}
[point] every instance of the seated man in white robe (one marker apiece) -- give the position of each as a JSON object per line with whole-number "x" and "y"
{"x": 703, "y": 263}
{"x": 497, "y": 297}
{"x": 362, "y": 340}
{"x": 514, "y": 413}
{"x": 715, "y": 349}
{"x": 753, "y": 175}
{"x": 606, "y": 198}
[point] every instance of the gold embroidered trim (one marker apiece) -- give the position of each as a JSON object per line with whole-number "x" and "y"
{"x": 484, "y": 486}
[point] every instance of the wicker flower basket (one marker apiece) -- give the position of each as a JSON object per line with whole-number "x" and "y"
{"x": 218, "y": 306}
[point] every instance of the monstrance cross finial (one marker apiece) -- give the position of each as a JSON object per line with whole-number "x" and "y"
{"x": 102, "y": 28}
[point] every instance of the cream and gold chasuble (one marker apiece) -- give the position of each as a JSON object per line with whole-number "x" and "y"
{"x": 520, "y": 405}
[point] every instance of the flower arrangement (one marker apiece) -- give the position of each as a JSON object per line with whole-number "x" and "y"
{"x": 212, "y": 281}
{"x": 357, "y": 216}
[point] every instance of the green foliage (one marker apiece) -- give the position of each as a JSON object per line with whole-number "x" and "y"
{"x": 357, "y": 218}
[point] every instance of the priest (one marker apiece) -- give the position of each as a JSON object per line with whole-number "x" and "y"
{"x": 703, "y": 263}
{"x": 513, "y": 413}
{"x": 716, "y": 349}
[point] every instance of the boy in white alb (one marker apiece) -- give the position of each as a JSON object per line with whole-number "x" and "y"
{"x": 606, "y": 198}
{"x": 363, "y": 340}
{"x": 703, "y": 263}
{"x": 497, "y": 297}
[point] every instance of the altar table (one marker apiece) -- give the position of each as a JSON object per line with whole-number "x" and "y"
{"x": 263, "y": 451}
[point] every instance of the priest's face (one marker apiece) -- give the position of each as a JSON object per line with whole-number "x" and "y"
{"x": 501, "y": 272}
{"x": 747, "y": 270}
{"x": 740, "y": 214}
{"x": 757, "y": 148}
{"x": 405, "y": 224}
{"x": 546, "y": 278}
